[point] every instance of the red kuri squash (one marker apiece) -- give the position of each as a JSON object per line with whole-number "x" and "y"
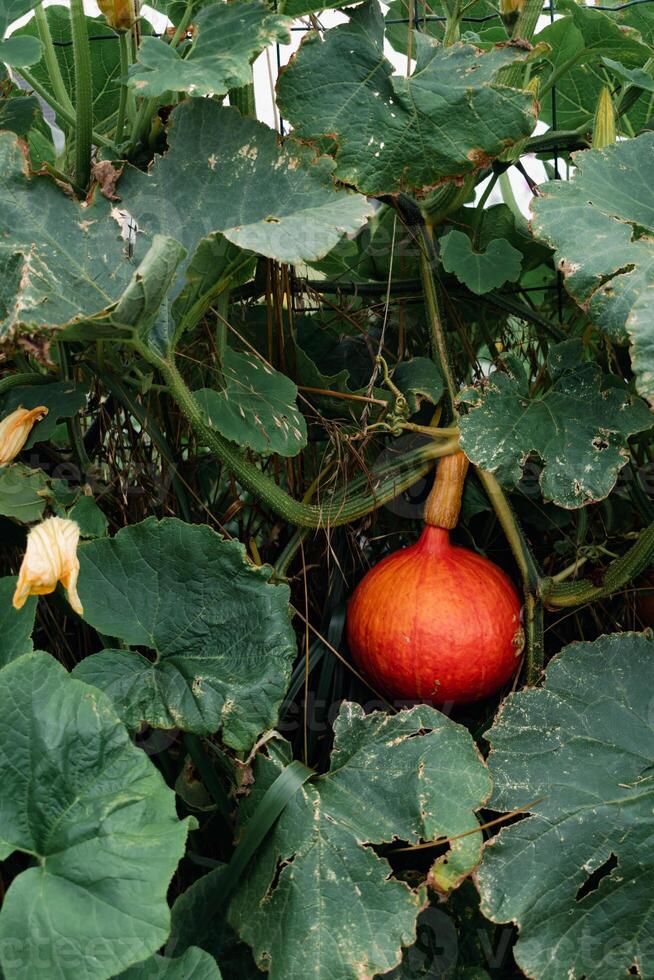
{"x": 436, "y": 622}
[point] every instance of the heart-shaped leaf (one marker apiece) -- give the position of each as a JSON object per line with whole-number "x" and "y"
{"x": 500, "y": 262}
{"x": 578, "y": 428}
{"x": 220, "y": 634}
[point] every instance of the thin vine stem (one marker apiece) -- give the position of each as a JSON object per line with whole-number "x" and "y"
{"x": 436, "y": 328}
{"x": 23, "y": 378}
{"x": 355, "y": 501}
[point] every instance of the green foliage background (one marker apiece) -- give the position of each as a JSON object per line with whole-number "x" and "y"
{"x": 253, "y": 346}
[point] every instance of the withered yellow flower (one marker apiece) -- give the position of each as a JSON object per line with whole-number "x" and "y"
{"x": 120, "y": 14}
{"x": 15, "y": 429}
{"x": 50, "y": 557}
{"x": 511, "y": 7}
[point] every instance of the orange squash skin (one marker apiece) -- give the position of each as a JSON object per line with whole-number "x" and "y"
{"x": 436, "y": 623}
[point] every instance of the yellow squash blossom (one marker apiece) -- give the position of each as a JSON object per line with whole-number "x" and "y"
{"x": 50, "y": 557}
{"x": 120, "y": 14}
{"x": 15, "y": 429}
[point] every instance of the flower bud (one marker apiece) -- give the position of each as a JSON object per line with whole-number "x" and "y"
{"x": 119, "y": 14}
{"x": 50, "y": 557}
{"x": 604, "y": 129}
{"x": 15, "y": 429}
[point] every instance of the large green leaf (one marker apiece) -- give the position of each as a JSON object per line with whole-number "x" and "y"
{"x": 229, "y": 36}
{"x": 16, "y": 625}
{"x": 221, "y": 635}
{"x": 277, "y": 200}
{"x": 484, "y": 270}
{"x": 60, "y": 263}
{"x": 601, "y": 224}
{"x": 584, "y": 743}
{"x": 105, "y": 60}
{"x": 256, "y": 407}
{"x": 194, "y": 964}
{"x": 63, "y": 399}
{"x": 98, "y": 818}
{"x": 393, "y": 133}
{"x": 319, "y": 902}
{"x": 578, "y": 428}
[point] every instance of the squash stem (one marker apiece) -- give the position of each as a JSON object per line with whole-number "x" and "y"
{"x": 527, "y": 22}
{"x": 444, "y": 501}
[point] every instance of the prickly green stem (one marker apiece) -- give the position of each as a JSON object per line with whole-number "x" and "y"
{"x": 562, "y": 595}
{"x": 83, "y": 94}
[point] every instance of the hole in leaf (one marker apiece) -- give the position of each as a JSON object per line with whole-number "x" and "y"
{"x": 272, "y": 220}
{"x": 274, "y": 884}
{"x": 600, "y": 443}
{"x": 593, "y": 880}
{"x": 416, "y": 734}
